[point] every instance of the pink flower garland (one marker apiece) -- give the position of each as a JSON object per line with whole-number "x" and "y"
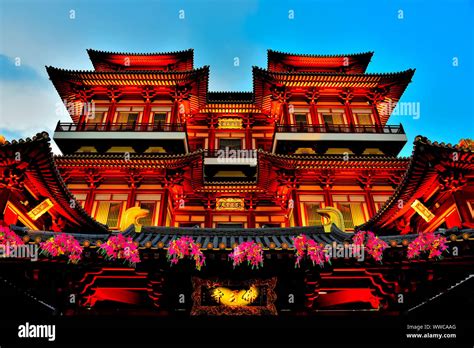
{"x": 62, "y": 244}
{"x": 120, "y": 248}
{"x": 427, "y": 242}
{"x": 185, "y": 246}
{"x": 250, "y": 251}
{"x": 9, "y": 237}
{"x": 373, "y": 244}
{"x": 315, "y": 251}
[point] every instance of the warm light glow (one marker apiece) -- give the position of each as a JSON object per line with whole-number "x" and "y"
{"x": 422, "y": 210}
{"x": 230, "y": 204}
{"x": 229, "y": 297}
{"x": 40, "y": 209}
{"x": 230, "y": 123}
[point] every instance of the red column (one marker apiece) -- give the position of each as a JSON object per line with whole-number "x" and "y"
{"x": 248, "y": 136}
{"x": 111, "y": 113}
{"x": 251, "y": 219}
{"x": 313, "y": 111}
{"x": 146, "y": 113}
{"x": 208, "y": 218}
{"x": 296, "y": 209}
{"x": 378, "y": 122}
{"x": 175, "y": 112}
{"x": 370, "y": 204}
{"x": 131, "y": 198}
{"x": 89, "y": 201}
{"x": 212, "y": 134}
{"x": 164, "y": 208}
{"x": 327, "y": 198}
{"x": 350, "y": 116}
{"x": 286, "y": 114}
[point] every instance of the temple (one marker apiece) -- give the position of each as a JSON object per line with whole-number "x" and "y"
{"x": 152, "y": 154}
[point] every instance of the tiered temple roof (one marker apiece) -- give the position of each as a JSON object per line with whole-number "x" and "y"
{"x": 36, "y": 169}
{"x": 116, "y": 61}
{"x": 444, "y": 166}
{"x": 349, "y": 63}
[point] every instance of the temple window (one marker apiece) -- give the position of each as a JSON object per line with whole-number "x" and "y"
{"x": 362, "y": 118}
{"x": 96, "y": 117}
{"x": 159, "y": 118}
{"x": 309, "y": 204}
{"x": 301, "y": 119}
{"x": 313, "y": 218}
{"x": 150, "y": 206}
{"x": 231, "y": 144}
{"x": 151, "y": 203}
{"x": 128, "y": 115}
{"x": 353, "y": 209}
{"x": 332, "y": 118}
{"x": 379, "y": 201}
{"x": 108, "y": 213}
{"x": 107, "y": 209}
{"x": 129, "y": 118}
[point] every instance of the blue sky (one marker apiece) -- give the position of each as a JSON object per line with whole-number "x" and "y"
{"x": 428, "y": 37}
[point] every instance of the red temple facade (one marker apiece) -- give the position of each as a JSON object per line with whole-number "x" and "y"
{"x": 151, "y": 153}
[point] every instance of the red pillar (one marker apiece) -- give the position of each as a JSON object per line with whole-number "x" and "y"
{"x": 89, "y": 201}
{"x": 251, "y": 219}
{"x": 370, "y": 204}
{"x": 131, "y": 198}
{"x": 212, "y": 134}
{"x": 164, "y": 208}
{"x": 248, "y": 135}
{"x": 208, "y": 218}
{"x": 146, "y": 113}
{"x": 175, "y": 112}
{"x": 286, "y": 114}
{"x": 350, "y": 116}
{"x": 111, "y": 113}
{"x": 314, "y": 114}
{"x": 327, "y": 198}
{"x": 378, "y": 122}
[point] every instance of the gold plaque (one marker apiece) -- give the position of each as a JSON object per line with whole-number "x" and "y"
{"x": 230, "y": 204}
{"x": 425, "y": 213}
{"x": 230, "y": 123}
{"x": 40, "y": 209}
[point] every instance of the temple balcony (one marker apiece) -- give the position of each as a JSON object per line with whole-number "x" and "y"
{"x": 236, "y": 165}
{"x": 121, "y": 137}
{"x": 327, "y": 139}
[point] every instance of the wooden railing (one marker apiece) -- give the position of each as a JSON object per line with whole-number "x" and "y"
{"x": 332, "y": 128}
{"x": 120, "y": 127}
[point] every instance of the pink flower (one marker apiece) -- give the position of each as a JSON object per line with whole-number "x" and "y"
{"x": 120, "y": 248}
{"x": 62, "y": 244}
{"x": 316, "y": 252}
{"x": 9, "y": 237}
{"x": 427, "y": 242}
{"x": 250, "y": 251}
{"x": 374, "y": 246}
{"x": 182, "y": 247}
